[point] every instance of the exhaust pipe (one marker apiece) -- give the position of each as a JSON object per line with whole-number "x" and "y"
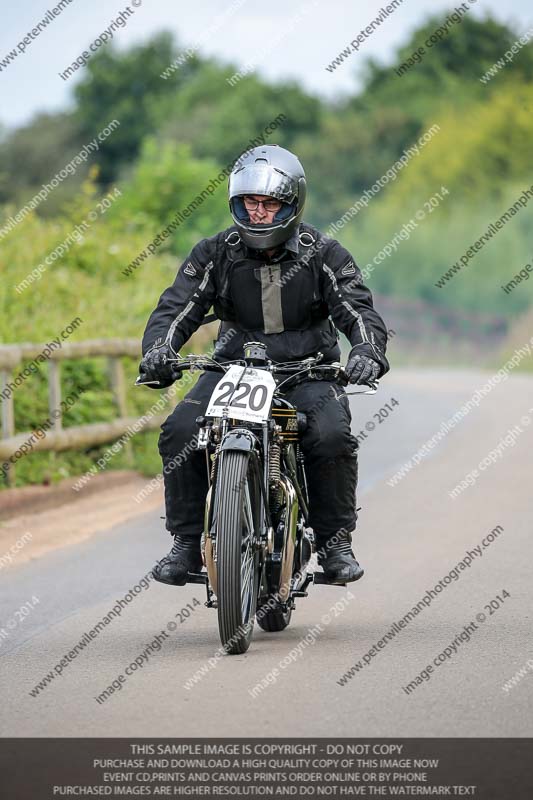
{"x": 290, "y": 520}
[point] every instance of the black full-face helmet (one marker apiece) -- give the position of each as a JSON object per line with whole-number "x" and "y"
{"x": 275, "y": 172}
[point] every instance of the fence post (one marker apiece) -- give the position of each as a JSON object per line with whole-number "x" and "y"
{"x": 118, "y": 386}
{"x": 54, "y": 394}
{"x": 8, "y": 423}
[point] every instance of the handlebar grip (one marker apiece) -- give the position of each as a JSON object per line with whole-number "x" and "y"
{"x": 212, "y": 368}
{"x": 140, "y": 382}
{"x": 342, "y": 377}
{"x": 176, "y": 375}
{"x": 185, "y": 365}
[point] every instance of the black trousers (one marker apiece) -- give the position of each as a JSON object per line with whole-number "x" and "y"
{"x": 329, "y": 448}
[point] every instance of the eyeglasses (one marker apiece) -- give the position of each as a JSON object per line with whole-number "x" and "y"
{"x": 270, "y": 204}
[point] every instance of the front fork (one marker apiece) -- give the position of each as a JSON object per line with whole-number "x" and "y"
{"x": 208, "y": 541}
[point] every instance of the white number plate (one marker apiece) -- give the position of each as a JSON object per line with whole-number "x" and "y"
{"x": 249, "y": 400}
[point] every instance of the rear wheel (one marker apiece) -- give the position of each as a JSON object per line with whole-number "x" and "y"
{"x": 274, "y": 619}
{"x": 238, "y": 556}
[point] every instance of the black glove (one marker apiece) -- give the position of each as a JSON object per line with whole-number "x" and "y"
{"x": 155, "y": 364}
{"x": 362, "y": 369}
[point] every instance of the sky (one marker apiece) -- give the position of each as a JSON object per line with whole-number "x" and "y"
{"x": 284, "y": 40}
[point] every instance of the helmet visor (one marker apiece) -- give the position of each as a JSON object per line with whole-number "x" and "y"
{"x": 262, "y": 179}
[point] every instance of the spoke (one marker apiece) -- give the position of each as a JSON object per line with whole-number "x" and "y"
{"x": 247, "y": 555}
{"x": 248, "y": 516}
{"x": 247, "y": 578}
{"x": 246, "y": 568}
{"x": 244, "y": 608}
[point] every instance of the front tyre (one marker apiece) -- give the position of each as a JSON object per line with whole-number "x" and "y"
{"x": 237, "y": 551}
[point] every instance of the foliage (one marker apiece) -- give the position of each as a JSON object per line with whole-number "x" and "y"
{"x": 108, "y": 303}
{"x": 34, "y": 156}
{"x": 165, "y": 180}
{"x": 126, "y": 85}
{"x": 465, "y": 157}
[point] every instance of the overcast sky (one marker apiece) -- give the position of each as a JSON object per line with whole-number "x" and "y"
{"x": 239, "y": 31}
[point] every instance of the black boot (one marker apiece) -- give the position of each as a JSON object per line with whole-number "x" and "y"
{"x": 184, "y": 557}
{"x": 336, "y": 558}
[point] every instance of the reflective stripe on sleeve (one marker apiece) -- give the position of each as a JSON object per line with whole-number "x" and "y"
{"x": 190, "y": 305}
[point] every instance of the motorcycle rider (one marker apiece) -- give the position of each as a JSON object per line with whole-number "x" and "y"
{"x": 271, "y": 278}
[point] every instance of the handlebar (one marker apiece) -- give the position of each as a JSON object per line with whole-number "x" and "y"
{"x": 292, "y": 369}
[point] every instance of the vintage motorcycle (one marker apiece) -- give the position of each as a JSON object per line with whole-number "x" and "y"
{"x": 256, "y": 544}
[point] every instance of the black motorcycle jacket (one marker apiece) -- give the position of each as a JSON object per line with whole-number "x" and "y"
{"x": 293, "y": 301}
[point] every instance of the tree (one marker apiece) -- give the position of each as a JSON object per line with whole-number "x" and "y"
{"x": 219, "y": 120}
{"x": 127, "y": 86}
{"x": 33, "y": 155}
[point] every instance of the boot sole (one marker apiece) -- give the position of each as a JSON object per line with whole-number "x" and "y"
{"x": 170, "y": 583}
{"x": 343, "y": 581}
{"x": 159, "y": 579}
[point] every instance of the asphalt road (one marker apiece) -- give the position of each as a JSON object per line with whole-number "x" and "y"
{"x": 411, "y": 536}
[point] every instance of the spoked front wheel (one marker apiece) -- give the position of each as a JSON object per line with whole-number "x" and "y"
{"x": 237, "y": 553}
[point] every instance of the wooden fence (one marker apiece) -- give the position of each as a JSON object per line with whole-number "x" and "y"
{"x": 59, "y": 438}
